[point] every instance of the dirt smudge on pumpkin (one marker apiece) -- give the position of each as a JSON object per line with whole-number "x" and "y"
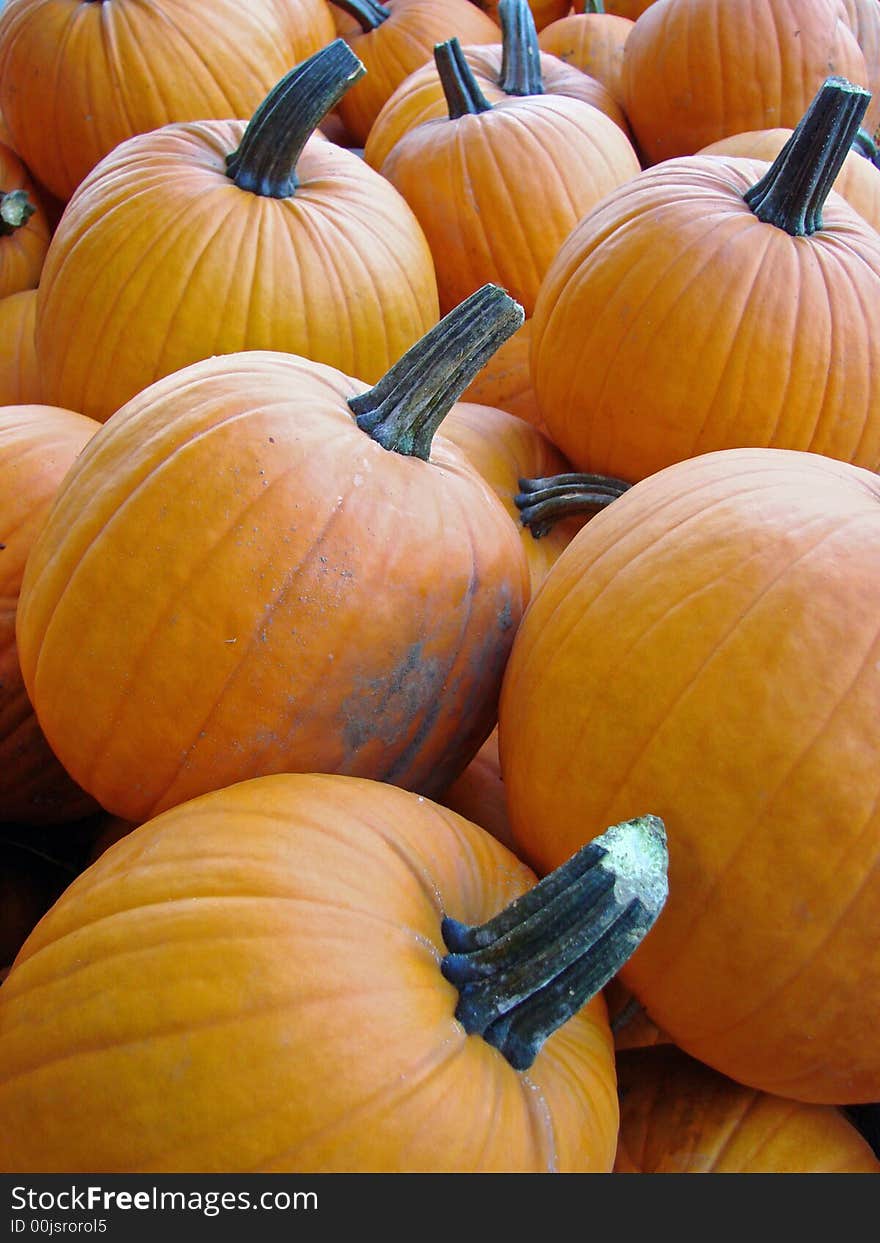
{"x": 384, "y": 707}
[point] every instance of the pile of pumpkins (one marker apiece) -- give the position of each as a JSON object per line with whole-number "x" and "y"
{"x": 440, "y": 564}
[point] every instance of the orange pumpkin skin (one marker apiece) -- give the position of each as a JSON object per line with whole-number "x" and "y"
{"x": 478, "y": 794}
{"x": 666, "y": 327}
{"x": 38, "y": 445}
{"x": 19, "y": 370}
{"x": 306, "y": 600}
{"x": 543, "y": 11}
{"x": 504, "y": 449}
{"x": 78, "y": 79}
{"x": 695, "y": 71}
{"x": 398, "y": 46}
{"x": 473, "y": 183}
{"x": 592, "y": 43}
{"x": 419, "y": 97}
{"x": 505, "y": 381}
{"x": 23, "y": 251}
{"x": 679, "y": 1117}
{"x": 858, "y": 181}
{"x": 306, "y": 1026}
{"x": 709, "y": 646}
{"x": 864, "y": 19}
{"x": 201, "y": 267}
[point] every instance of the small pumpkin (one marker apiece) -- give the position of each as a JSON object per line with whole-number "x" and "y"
{"x": 525, "y": 168}
{"x": 228, "y": 236}
{"x": 19, "y": 370}
{"x": 78, "y": 79}
{"x": 393, "y": 39}
{"x": 680, "y": 1117}
{"x": 24, "y": 227}
{"x": 38, "y": 446}
{"x": 592, "y": 40}
{"x": 515, "y": 65}
{"x": 315, "y": 973}
{"x": 714, "y": 302}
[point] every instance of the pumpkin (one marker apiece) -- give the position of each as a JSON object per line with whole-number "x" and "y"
{"x": 306, "y": 973}
{"x": 393, "y": 39}
{"x": 858, "y": 180}
{"x": 514, "y": 66}
{"x": 864, "y": 19}
{"x": 78, "y": 79}
{"x": 525, "y": 168}
{"x": 679, "y": 1117}
{"x": 227, "y": 237}
{"x": 24, "y": 228}
{"x": 38, "y": 445}
{"x": 478, "y": 794}
{"x": 543, "y": 11}
{"x": 697, "y": 71}
{"x": 505, "y": 380}
{"x": 591, "y": 40}
{"x": 325, "y": 586}
{"x": 709, "y": 644}
{"x": 19, "y": 370}
{"x": 503, "y": 449}
{"x": 715, "y": 302}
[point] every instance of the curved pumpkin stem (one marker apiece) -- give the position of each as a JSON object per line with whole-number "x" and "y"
{"x": 266, "y": 159}
{"x": 865, "y": 145}
{"x": 462, "y": 91}
{"x": 16, "y": 209}
{"x": 521, "y": 52}
{"x": 367, "y": 13}
{"x": 403, "y": 411}
{"x": 792, "y": 193}
{"x": 544, "y": 502}
{"x": 524, "y": 973}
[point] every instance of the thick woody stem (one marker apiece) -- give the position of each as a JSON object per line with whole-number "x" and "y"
{"x": 544, "y": 502}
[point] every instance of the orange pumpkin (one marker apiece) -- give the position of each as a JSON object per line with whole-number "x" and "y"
{"x": 505, "y": 380}
{"x": 24, "y": 228}
{"x": 228, "y": 237}
{"x": 709, "y": 645}
{"x": 393, "y": 39}
{"x": 591, "y": 40}
{"x": 679, "y": 1117}
{"x": 713, "y": 302}
{"x": 515, "y": 65}
{"x": 38, "y": 446}
{"x": 324, "y": 587}
{"x": 78, "y": 79}
{"x": 697, "y": 71}
{"x": 864, "y": 20}
{"x": 19, "y": 370}
{"x": 285, "y": 976}
{"x": 527, "y": 167}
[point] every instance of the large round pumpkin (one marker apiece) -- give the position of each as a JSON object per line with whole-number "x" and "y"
{"x": 260, "y": 564}
{"x": 19, "y": 369}
{"x": 709, "y": 646}
{"x": 267, "y": 979}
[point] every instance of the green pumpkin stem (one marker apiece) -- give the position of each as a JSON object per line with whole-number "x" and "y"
{"x": 403, "y": 411}
{"x": 594, "y": 6}
{"x": 463, "y": 94}
{"x": 367, "y": 13}
{"x": 16, "y": 209}
{"x": 544, "y": 502}
{"x": 524, "y": 973}
{"x": 266, "y": 159}
{"x": 521, "y": 53}
{"x": 792, "y": 193}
